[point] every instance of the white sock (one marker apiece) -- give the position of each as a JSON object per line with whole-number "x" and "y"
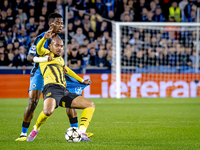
{"x": 82, "y": 129}
{"x": 23, "y": 134}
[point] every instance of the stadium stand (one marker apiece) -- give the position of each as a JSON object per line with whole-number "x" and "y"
{"x": 89, "y": 36}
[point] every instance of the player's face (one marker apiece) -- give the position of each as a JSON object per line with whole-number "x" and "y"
{"x": 57, "y": 25}
{"x": 56, "y": 46}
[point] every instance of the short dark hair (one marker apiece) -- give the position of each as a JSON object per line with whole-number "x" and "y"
{"x": 52, "y": 16}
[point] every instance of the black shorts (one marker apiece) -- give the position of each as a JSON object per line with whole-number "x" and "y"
{"x": 62, "y": 96}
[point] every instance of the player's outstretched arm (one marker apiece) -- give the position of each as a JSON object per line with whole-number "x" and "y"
{"x": 36, "y": 59}
{"x": 43, "y": 59}
{"x": 87, "y": 82}
{"x": 40, "y": 46}
{"x": 75, "y": 76}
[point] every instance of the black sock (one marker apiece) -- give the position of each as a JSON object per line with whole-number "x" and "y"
{"x": 25, "y": 124}
{"x": 73, "y": 122}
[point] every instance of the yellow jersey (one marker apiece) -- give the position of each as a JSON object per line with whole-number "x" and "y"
{"x": 52, "y": 71}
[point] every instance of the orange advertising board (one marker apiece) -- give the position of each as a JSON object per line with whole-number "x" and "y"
{"x": 132, "y": 85}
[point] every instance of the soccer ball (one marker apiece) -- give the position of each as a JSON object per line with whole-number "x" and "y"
{"x": 73, "y": 134}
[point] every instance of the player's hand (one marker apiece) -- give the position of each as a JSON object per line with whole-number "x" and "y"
{"x": 49, "y": 34}
{"x": 64, "y": 69}
{"x": 88, "y": 82}
{"x": 50, "y": 58}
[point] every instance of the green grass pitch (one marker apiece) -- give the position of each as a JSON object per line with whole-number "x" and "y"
{"x": 141, "y": 124}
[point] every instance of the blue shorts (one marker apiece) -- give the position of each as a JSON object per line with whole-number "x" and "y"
{"x": 36, "y": 82}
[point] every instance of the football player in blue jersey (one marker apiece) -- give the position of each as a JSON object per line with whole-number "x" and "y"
{"x": 36, "y": 80}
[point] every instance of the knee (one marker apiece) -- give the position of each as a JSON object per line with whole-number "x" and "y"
{"x": 48, "y": 112}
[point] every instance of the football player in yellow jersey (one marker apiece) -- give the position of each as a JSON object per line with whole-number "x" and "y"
{"x": 55, "y": 22}
{"x": 55, "y": 92}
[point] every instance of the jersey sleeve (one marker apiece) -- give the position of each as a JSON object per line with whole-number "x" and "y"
{"x": 33, "y": 50}
{"x": 73, "y": 74}
{"x": 41, "y": 51}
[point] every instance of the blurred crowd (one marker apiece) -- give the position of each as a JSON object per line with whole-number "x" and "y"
{"x": 90, "y": 31}
{"x": 170, "y": 47}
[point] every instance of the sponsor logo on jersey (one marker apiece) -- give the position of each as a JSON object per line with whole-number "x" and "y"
{"x": 32, "y": 52}
{"x": 33, "y": 48}
{"x": 78, "y": 90}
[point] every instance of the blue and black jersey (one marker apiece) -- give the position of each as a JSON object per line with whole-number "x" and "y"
{"x": 74, "y": 86}
{"x": 33, "y": 51}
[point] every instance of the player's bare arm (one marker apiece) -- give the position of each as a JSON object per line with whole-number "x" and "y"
{"x": 30, "y": 57}
{"x": 87, "y": 82}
